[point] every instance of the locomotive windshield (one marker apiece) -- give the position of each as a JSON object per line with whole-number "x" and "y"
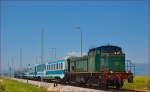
{"x": 110, "y": 49}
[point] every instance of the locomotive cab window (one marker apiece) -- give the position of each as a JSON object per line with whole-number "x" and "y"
{"x": 98, "y": 52}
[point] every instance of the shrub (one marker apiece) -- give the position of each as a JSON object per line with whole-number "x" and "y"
{"x": 2, "y": 87}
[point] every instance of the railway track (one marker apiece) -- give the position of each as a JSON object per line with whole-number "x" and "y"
{"x": 109, "y": 89}
{"x": 87, "y": 87}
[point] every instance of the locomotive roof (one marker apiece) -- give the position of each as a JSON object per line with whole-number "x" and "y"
{"x": 105, "y": 46}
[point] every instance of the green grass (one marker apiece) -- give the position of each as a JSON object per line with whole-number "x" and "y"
{"x": 8, "y": 85}
{"x": 140, "y": 82}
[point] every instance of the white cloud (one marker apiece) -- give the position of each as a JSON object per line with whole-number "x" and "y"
{"x": 73, "y": 53}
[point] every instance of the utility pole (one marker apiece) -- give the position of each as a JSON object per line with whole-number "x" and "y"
{"x": 81, "y": 42}
{"x": 12, "y": 61}
{"x": 20, "y": 62}
{"x": 42, "y": 49}
{"x": 8, "y": 68}
{"x": 42, "y": 46}
{"x": 81, "y": 38}
{"x": 36, "y": 60}
{"x": 0, "y": 54}
{"x": 53, "y": 53}
{"x": 28, "y": 69}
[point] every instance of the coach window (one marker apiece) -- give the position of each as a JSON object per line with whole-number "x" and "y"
{"x": 53, "y": 66}
{"x": 57, "y": 66}
{"x": 61, "y": 66}
{"x": 49, "y": 67}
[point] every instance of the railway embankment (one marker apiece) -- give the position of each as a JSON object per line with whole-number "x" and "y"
{"x": 67, "y": 88}
{"x": 59, "y": 88}
{"x": 22, "y": 85}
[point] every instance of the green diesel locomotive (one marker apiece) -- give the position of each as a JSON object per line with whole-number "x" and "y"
{"x": 104, "y": 66}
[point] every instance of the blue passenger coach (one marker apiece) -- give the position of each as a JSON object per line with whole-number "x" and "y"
{"x": 55, "y": 69}
{"x": 40, "y": 70}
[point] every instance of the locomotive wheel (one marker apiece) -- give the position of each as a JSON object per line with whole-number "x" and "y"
{"x": 130, "y": 79}
{"x": 119, "y": 84}
{"x": 103, "y": 85}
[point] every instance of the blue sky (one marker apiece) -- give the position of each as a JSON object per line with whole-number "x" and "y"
{"x": 123, "y": 23}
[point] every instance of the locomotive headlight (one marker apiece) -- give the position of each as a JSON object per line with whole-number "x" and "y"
{"x": 111, "y": 71}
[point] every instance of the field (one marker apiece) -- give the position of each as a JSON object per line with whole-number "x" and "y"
{"x": 140, "y": 83}
{"x": 7, "y": 85}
